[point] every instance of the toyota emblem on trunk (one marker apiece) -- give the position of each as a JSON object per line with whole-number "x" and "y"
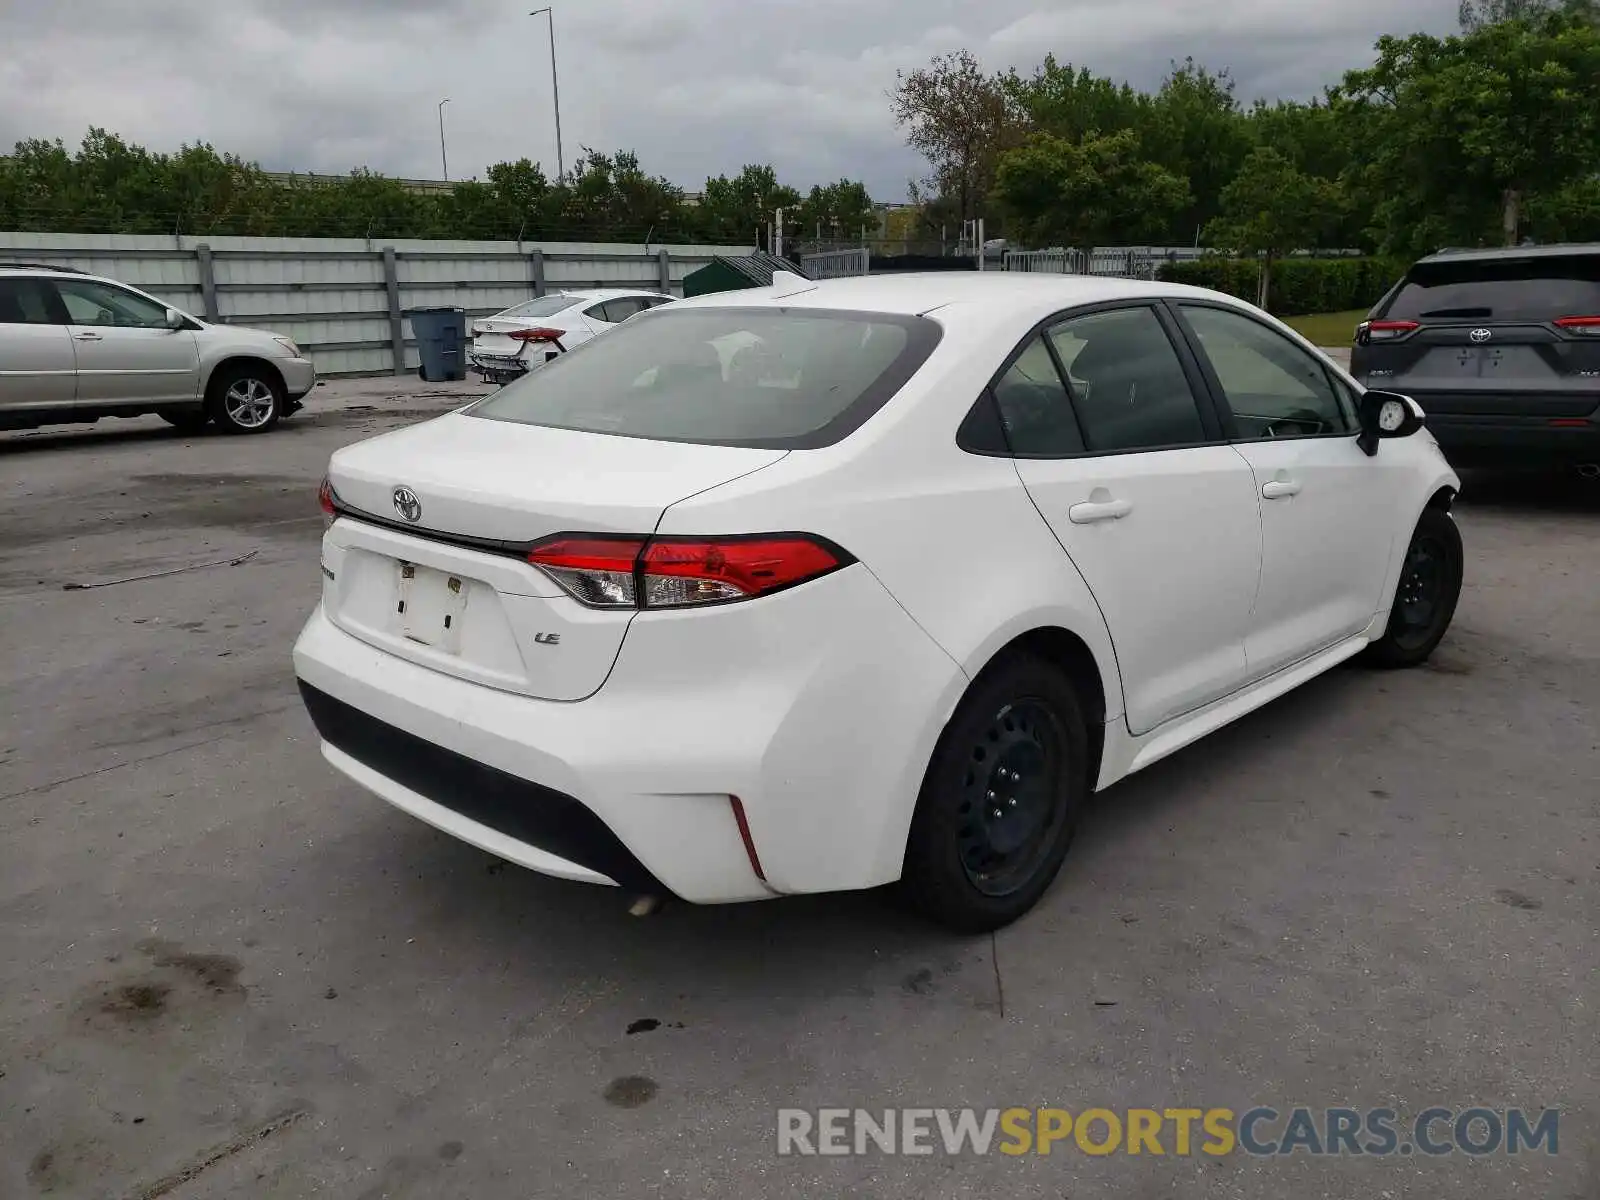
{"x": 407, "y": 504}
{"x": 1480, "y": 336}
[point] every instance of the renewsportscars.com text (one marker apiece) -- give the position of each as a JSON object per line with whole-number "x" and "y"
{"x": 1177, "y": 1132}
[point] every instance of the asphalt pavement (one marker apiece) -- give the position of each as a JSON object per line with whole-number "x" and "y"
{"x": 226, "y": 972}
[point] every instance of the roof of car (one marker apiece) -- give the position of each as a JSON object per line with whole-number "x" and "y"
{"x": 9, "y": 268}
{"x": 913, "y": 293}
{"x": 582, "y": 294}
{"x": 1490, "y": 254}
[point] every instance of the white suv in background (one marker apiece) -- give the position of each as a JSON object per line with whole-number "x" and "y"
{"x": 76, "y": 347}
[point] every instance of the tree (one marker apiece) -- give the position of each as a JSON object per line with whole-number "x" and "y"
{"x": 737, "y": 208}
{"x": 1197, "y": 130}
{"x": 1476, "y": 14}
{"x": 1460, "y": 126}
{"x": 840, "y": 210}
{"x": 959, "y": 119}
{"x": 1089, "y": 192}
{"x": 1073, "y": 103}
{"x": 1270, "y": 209}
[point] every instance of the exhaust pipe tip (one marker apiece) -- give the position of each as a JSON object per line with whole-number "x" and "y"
{"x": 1589, "y": 470}
{"x": 645, "y": 906}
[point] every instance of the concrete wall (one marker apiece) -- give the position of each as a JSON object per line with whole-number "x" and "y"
{"x": 343, "y": 299}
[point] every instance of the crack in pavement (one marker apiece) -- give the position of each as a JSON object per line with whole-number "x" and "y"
{"x": 133, "y": 762}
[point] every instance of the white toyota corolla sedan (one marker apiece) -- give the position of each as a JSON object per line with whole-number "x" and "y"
{"x": 830, "y": 585}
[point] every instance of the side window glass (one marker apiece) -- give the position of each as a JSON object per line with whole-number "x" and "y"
{"x": 23, "y": 302}
{"x": 90, "y": 303}
{"x": 1274, "y": 388}
{"x": 597, "y": 312}
{"x": 1034, "y": 406}
{"x": 1127, "y": 381}
{"x": 1349, "y": 402}
{"x": 621, "y": 310}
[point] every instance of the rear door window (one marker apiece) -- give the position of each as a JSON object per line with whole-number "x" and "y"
{"x": 1034, "y": 407}
{"x": 25, "y": 302}
{"x": 759, "y": 377}
{"x": 1128, "y": 383}
{"x": 622, "y": 308}
{"x": 1536, "y": 288}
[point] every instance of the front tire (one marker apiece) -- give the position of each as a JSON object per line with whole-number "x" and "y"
{"x": 1000, "y": 801}
{"x": 245, "y": 399}
{"x": 1425, "y": 600}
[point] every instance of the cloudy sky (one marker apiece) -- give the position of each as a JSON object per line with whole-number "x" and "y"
{"x": 697, "y": 87}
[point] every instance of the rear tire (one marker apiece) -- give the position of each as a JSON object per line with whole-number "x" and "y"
{"x": 1001, "y": 798}
{"x": 1426, "y": 597}
{"x": 185, "y": 420}
{"x": 245, "y": 399}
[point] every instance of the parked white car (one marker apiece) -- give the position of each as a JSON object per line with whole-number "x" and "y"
{"x": 75, "y": 347}
{"x": 510, "y": 343}
{"x": 835, "y": 584}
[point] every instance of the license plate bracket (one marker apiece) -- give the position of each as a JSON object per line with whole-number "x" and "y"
{"x": 430, "y": 606}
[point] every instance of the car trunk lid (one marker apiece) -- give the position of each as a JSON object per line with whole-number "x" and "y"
{"x": 429, "y": 562}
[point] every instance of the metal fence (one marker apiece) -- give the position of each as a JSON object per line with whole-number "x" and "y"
{"x": 344, "y": 299}
{"x": 1123, "y": 262}
{"x": 836, "y": 264}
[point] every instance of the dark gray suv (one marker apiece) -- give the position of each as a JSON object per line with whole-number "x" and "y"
{"x": 1501, "y": 348}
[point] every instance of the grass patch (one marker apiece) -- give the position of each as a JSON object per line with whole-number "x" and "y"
{"x": 1328, "y": 329}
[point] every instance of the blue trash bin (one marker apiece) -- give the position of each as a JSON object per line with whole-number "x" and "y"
{"x": 441, "y": 334}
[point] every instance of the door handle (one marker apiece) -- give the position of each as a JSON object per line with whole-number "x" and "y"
{"x": 1098, "y": 510}
{"x": 1279, "y": 489}
{"x": 89, "y": 337}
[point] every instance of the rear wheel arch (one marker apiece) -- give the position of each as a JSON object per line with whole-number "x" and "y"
{"x": 1442, "y": 499}
{"x": 1069, "y": 654}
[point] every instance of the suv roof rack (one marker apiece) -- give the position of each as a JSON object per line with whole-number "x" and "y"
{"x": 33, "y": 266}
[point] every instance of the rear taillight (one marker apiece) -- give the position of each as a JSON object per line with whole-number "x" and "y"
{"x": 682, "y": 572}
{"x": 1585, "y": 326}
{"x": 537, "y": 335}
{"x": 1384, "y": 331}
{"x": 326, "y": 498}
{"x": 599, "y": 572}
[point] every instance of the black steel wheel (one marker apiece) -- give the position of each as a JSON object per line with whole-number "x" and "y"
{"x": 1425, "y": 599}
{"x": 1000, "y": 799}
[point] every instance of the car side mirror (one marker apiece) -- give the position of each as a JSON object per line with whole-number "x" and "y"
{"x": 1387, "y": 415}
{"x": 175, "y": 319}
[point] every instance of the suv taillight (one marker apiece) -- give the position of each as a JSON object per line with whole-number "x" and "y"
{"x": 1587, "y": 326}
{"x": 682, "y": 572}
{"x": 1383, "y": 331}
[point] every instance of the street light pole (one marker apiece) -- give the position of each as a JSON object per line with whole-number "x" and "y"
{"x": 444, "y": 160}
{"x": 555, "y": 88}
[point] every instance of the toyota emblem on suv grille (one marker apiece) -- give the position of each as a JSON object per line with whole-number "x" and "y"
{"x": 407, "y": 504}
{"x": 1480, "y": 336}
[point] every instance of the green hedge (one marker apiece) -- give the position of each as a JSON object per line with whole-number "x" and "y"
{"x": 1299, "y": 285}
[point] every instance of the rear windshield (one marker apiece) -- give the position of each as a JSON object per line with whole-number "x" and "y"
{"x": 545, "y": 306}
{"x": 762, "y": 377}
{"x": 1504, "y": 289}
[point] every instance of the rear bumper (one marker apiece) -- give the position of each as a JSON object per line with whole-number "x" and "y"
{"x": 818, "y": 708}
{"x": 497, "y": 366}
{"x": 1486, "y": 440}
{"x": 456, "y": 794}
